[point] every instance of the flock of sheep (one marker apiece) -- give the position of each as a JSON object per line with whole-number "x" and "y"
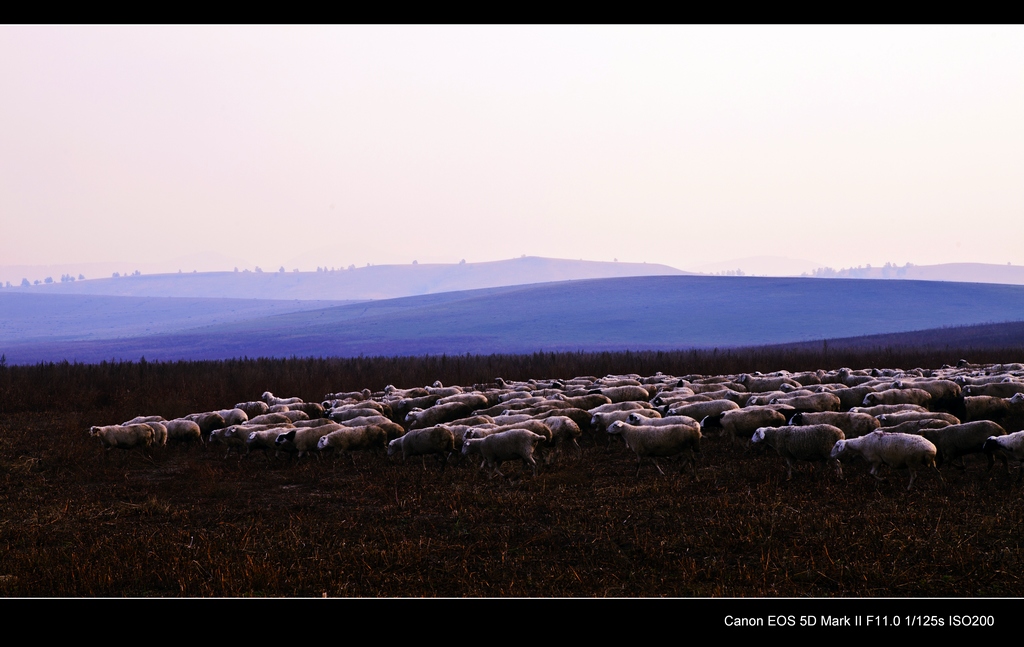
{"x": 910, "y": 420}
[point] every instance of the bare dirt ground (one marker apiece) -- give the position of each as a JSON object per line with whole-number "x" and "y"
{"x": 188, "y": 522}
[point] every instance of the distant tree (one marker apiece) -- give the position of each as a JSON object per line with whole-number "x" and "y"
{"x": 81, "y": 277}
{"x": 48, "y": 280}
{"x": 259, "y": 269}
{"x": 236, "y": 269}
{"x": 351, "y": 267}
{"x": 295, "y": 270}
{"x": 415, "y": 263}
{"x": 138, "y": 273}
{"x": 281, "y": 270}
{"x": 25, "y": 283}
{"x": 36, "y": 282}
{"x": 115, "y": 275}
{"x": 462, "y": 262}
{"x": 8, "y": 284}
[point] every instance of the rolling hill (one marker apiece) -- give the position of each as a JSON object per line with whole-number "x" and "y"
{"x": 373, "y": 282}
{"x": 660, "y": 312}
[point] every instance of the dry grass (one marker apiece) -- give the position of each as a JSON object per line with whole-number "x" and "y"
{"x": 187, "y": 522}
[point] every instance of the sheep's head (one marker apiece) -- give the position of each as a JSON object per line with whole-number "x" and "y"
{"x": 1017, "y": 398}
{"x": 285, "y": 438}
{"x": 838, "y": 449}
{"x": 758, "y": 435}
{"x": 616, "y": 427}
{"x": 394, "y": 446}
{"x": 324, "y": 443}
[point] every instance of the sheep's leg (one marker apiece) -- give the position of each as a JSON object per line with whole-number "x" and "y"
{"x": 874, "y": 472}
{"x": 912, "y": 475}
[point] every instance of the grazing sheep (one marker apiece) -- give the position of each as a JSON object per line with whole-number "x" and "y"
{"x": 997, "y": 390}
{"x": 853, "y": 425}
{"x": 815, "y": 403}
{"x": 505, "y": 446}
{"x": 895, "y": 450}
{"x": 437, "y": 440}
{"x": 353, "y": 439}
{"x": 1009, "y": 446}
{"x": 956, "y": 441}
{"x": 586, "y": 402}
{"x": 271, "y": 400}
{"x": 264, "y": 439}
{"x": 304, "y": 440}
{"x": 762, "y": 384}
{"x": 341, "y": 415}
{"x": 141, "y": 420}
{"x": 919, "y": 397}
{"x": 207, "y": 422}
{"x": 807, "y": 443}
{"x": 564, "y": 430}
{"x": 183, "y": 431}
{"x": 270, "y": 419}
{"x": 600, "y": 422}
{"x": 743, "y": 422}
{"x": 654, "y": 442}
{"x": 159, "y": 433}
{"x": 233, "y": 416}
{"x": 880, "y": 409}
{"x": 123, "y": 436}
{"x": 623, "y": 393}
{"x": 893, "y": 419}
{"x": 253, "y": 409}
{"x": 701, "y": 410}
{"x": 311, "y": 409}
{"x": 436, "y": 415}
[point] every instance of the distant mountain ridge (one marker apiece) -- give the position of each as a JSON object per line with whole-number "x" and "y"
{"x": 956, "y": 272}
{"x": 373, "y": 282}
{"x": 632, "y": 313}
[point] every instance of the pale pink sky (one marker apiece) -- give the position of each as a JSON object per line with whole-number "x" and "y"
{"x": 678, "y": 145}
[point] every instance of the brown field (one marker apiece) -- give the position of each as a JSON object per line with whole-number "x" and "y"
{"x": 188, "y": 522}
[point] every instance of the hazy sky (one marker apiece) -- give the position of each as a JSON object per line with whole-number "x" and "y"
{"x": 679, "y": 145}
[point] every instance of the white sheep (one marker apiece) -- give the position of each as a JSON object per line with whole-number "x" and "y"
{"x": 1009, "y": 446}
{"x": 183, "y": 431}
{"x": 271, "y": 399}
{"x": 437, "y": 440}
{"x": 895, "y": 450}
{"x": 803, "y": 443}
{"x": 352, "y": 439}
{"x": 159, "y": 433}
{"x": 123, "y": 436}
{"x": 654, "y": 442}
{"x": 505, "y": 446}
{"x": 956, "y": 441}
{"x": 305, "y": 439}
{"x": 853, "y": 425}
{"x": 253, "y": 408}
{"x": 141, "y": 420}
